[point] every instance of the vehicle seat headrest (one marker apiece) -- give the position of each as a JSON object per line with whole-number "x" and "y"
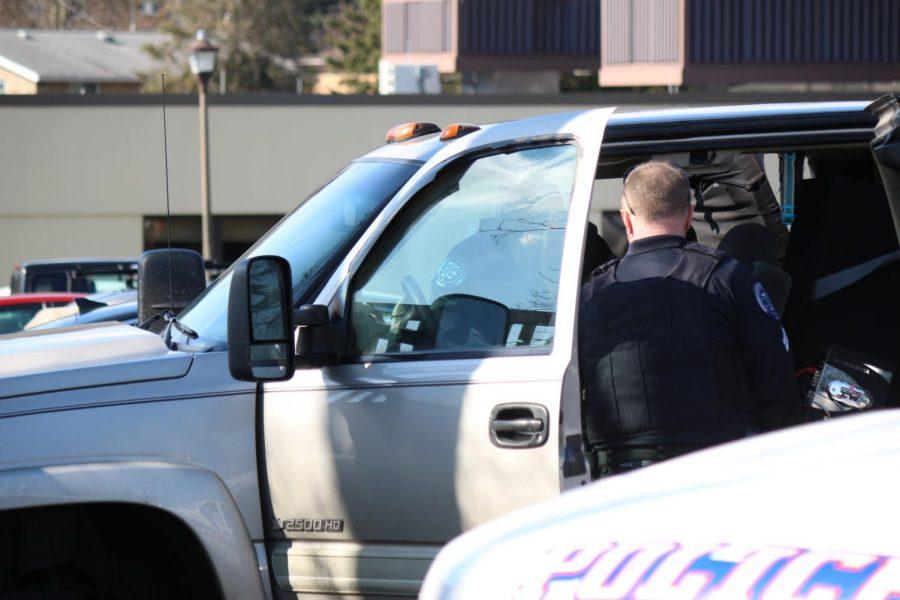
{"x": 776, "y": 282}
{"x": 750, "y": 243}
{"x": 596, "y": 251}
{"x": 613, "y": 231}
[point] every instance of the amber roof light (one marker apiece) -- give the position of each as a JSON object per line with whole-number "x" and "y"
{"x": 408, "y": 131}
{"x": 457, "y": 130}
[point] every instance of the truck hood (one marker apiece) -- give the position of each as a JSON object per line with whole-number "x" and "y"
{"x": 84, "y": 356}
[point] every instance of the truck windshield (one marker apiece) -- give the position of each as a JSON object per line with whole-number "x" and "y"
{"x": 309, "y": 238}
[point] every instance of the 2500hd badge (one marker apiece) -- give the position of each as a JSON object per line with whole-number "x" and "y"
{"x": 307, "y": 525}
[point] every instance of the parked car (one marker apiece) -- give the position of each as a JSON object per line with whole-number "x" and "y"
{"x": 81, "y": 275}
{"x": 395, "y": 362}
{"x": 18, "y": 309}
{"x": 96, "y": 308}
{"x": 764, "y": 517}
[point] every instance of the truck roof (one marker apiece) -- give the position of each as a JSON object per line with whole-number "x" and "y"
{"x": 77, "y": 261}
{"x": 741, "y": 111}
{"x": 416, "y": 151}
{"x": 707, "y": 120}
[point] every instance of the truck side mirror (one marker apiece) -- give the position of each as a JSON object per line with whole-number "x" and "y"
{"x": 167, "y": 280}
{"x": 260, "y": 330}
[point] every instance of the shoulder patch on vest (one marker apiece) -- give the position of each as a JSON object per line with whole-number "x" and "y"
{"x": 765, "y": 303}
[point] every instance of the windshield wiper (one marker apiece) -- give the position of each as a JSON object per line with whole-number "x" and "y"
{"x": 172, "y": 322}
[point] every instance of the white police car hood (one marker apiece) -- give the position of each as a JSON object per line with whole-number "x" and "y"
{"x": 808, "y": 512}
{"x": 84, "y": 356}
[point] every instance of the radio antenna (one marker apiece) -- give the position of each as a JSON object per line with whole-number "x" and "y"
{"x": 168, "y": 315}
{"x": 168, "y": 208}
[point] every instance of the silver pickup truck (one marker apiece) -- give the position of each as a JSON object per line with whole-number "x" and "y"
{"x": 393, "y": 364}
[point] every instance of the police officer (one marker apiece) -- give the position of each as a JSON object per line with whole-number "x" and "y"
{"x": 680, "y": 348}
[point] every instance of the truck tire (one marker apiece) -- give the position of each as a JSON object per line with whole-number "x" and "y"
{"x": 101, "y": 552}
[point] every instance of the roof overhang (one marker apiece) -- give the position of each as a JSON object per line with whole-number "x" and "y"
{"x": 20, "y": 70}
{"x": 90, "y": 80}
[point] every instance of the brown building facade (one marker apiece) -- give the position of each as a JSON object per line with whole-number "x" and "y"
{"x": 636, "y": 43}
{"x": 492, "y": 35}
{"x": 728, "y": 42}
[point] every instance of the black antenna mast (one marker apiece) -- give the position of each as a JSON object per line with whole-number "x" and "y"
{"x": 168, "y": 315}
{"x": 168, "y": 210}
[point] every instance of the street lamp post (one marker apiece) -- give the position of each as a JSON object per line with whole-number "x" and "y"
{"x": 202, "y": 60}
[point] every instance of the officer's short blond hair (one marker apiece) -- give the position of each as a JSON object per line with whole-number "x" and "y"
{"x": 656, "y": 190}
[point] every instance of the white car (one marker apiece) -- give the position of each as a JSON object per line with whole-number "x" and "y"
{"x": 810, "y": 512}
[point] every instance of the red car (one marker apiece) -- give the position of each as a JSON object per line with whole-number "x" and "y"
{"x": 18, "y": 309}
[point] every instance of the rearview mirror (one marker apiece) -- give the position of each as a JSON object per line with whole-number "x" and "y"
{"x": 260, "y": 333}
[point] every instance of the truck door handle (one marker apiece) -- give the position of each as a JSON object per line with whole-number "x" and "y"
{"x": 519, "y": 425}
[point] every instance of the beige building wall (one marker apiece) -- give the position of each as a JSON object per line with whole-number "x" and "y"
{"x": 76, "y": 180}
{"x": 23, "y": 238}
{"x": 16, "y": 84}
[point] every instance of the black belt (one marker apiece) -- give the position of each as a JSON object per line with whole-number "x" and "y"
{"x": 610, "y": 460}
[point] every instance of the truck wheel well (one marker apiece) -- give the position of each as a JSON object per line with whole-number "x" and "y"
{"x": 103, "y": 550}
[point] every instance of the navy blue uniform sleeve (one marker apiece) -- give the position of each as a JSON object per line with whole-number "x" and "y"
{"x": 764, "y": 345}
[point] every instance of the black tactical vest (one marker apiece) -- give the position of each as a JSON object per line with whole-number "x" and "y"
{"x": 660, "y": 359}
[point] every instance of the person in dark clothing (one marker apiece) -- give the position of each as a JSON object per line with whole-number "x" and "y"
{"x": 740, "y": 196}
{"x": 680, "y": 348}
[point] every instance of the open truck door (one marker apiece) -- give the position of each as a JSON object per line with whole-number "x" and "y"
{"x": 436, "y": 384}
{"x": 886, "y": 148}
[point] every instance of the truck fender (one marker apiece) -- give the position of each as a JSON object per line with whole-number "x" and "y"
{"x": 195, "y": 496}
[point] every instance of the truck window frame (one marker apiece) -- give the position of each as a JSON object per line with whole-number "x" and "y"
{"x": 399, "y": 221}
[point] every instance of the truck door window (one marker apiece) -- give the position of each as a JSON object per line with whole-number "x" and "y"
{"x": 106, "y": 282}
{"x": 474, "y": 263}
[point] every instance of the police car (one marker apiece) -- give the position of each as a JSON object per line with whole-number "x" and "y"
{"x": 808, "y": 512}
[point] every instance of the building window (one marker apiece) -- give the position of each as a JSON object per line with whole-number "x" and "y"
{"x": 2, "y": 87}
